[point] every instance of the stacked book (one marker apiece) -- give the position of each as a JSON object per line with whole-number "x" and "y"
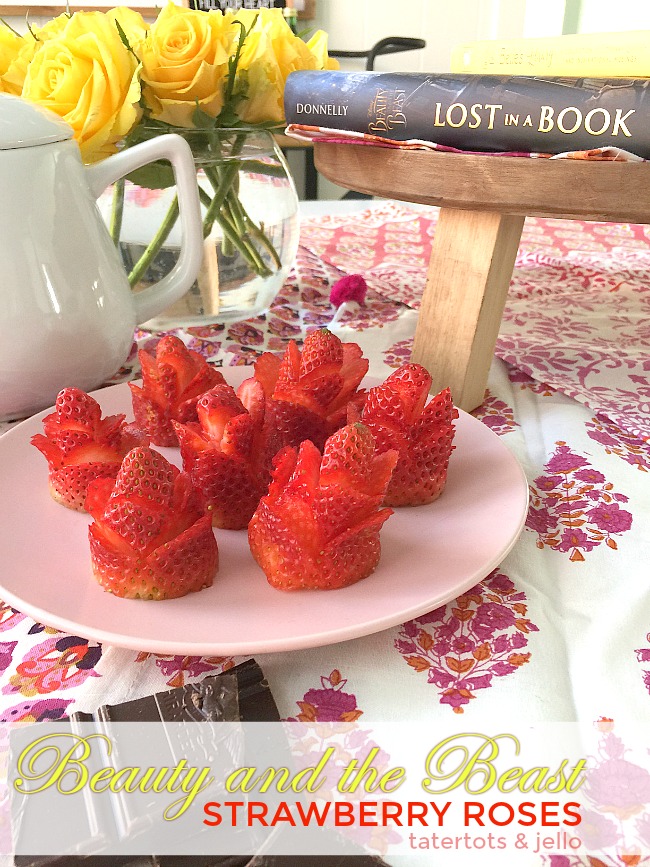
{"x": 533, "y": 96}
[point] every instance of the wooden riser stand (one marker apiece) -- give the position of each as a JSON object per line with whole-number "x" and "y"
{"x": 484, "y": 201}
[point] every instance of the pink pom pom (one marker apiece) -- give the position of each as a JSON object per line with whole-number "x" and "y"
{"x": 352, "y": 287}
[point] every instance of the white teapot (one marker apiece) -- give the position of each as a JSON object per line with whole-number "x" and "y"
{"x": 67, "y": 312}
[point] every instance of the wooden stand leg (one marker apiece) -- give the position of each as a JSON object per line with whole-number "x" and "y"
{"x": 469, "y": 273}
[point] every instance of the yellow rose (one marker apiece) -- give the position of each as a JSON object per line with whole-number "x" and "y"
{"x": 13, "y": 76}
{"x": 132, "y": 23}
{"x": 10, "y": 45}
{"x": 90, "y": 79}
{"x": 185, "y": 62}
{"x": 318, "y": 47}
{"x": 271, "y": 52}
{"x": 288, "y": 50}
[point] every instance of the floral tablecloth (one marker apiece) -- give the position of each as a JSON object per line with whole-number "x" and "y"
{"x": 561, "y": 630}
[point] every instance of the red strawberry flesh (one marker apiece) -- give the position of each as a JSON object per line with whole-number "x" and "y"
{"x": 318, "y": 527}
{"x": 224, "y": 457}
{"x": 151, "y": 538}
{"x": 80, "y": 446}
{"x": 396, "y": 414}
{"x": 172, "y": 382}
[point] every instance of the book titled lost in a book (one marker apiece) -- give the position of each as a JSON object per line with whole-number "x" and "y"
{"x": 477, "y": 112}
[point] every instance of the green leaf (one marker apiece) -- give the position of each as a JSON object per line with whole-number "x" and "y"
{"x": 202, "y": 120}
{"x": 153, "y": 176}
{"x": 8, "y": 25}
{"x": 125, "y": 39}
{"x": 228, "y": 117}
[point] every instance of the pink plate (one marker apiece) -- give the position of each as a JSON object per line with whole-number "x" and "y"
{"x": 430, "y": 554}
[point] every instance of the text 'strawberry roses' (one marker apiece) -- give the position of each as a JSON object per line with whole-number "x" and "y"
{"x": 304, "y": 395}
{"x": 399, "y": 418}
{"x": 81, "y": 446}
{"x": 172, "y": 382}
{"x": 318, "y": 527}
{"x": 221, "y": 454}
{"x": 151, "y": 538}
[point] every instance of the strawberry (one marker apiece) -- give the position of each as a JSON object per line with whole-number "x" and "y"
{"x": 221, "y": 454}
{"x": 323, "y": 378}
{"x": 399, "y": 417}
{"x": 151, "y": 538}
{"x": 304, "y": 395}
{"x": 172, "y": 381}
{"x": 81, "y": 446}
{"x": 318, "y": 527}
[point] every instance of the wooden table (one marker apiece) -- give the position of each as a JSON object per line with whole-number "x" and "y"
{"x": 484, "y": 201}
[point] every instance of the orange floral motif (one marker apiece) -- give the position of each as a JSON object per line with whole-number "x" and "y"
{"x": 465, "y": 644}
{"x": 632, "y": 449}
{"x": 496, "y": 414}
{"x": 329, "y": 703}
{"x": 574, "y": 509}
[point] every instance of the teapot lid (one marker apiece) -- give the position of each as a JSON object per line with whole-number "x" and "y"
{"x": 24, "y": 124}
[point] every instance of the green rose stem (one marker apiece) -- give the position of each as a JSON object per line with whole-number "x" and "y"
{"x": 117, "y": 210}
{"x": 234, "y": 234}
{"x": 241, "y": 233}
{"x": 155, "y": 244}
{"x": 224, "y": 208}
{"x": 221, "y": 184}
{"x": 255, "y": 230}
{"x": 227, "y": 212}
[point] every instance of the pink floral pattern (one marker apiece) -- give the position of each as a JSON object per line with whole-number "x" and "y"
{"x": 617, "y": 441}
{"x": 527, "y": 383}
{"x": 328, "y": 715}
{"x": 9, "y": 617}
{"x": 207, "y": 348}
{"x": 615, "y": 818}
{"x": 643, "y": 655}
{"x": 464, "y": 645}
{"x": 6, "y": 652}
{"x": 496, "y": 414}
{"x": 573, "y": 509}
{"x": 612, "y": 385}
{"x": 62, "y": 662}
{"x": 179, "y": 669}
{"x": 37, "y": 711}
{"x": 399, "y": 353}
{"x": 329, "y": 703}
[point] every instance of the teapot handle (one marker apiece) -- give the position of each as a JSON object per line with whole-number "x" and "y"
{"x": 155, "y": 298}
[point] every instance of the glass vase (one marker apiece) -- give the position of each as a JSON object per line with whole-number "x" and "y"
{"x": 250, "y": 227}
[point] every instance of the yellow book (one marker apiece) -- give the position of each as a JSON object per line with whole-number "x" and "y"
{"x": 584, "y": 55}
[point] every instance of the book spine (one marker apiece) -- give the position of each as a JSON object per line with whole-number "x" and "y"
{"x": 601, "y": 55}
{"x": 474, "y": 112}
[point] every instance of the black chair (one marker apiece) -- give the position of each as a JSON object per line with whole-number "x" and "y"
{"x": 388, "y": 45}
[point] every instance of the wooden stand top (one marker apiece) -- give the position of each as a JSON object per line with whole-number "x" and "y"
{"x": 571, "y": 189}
